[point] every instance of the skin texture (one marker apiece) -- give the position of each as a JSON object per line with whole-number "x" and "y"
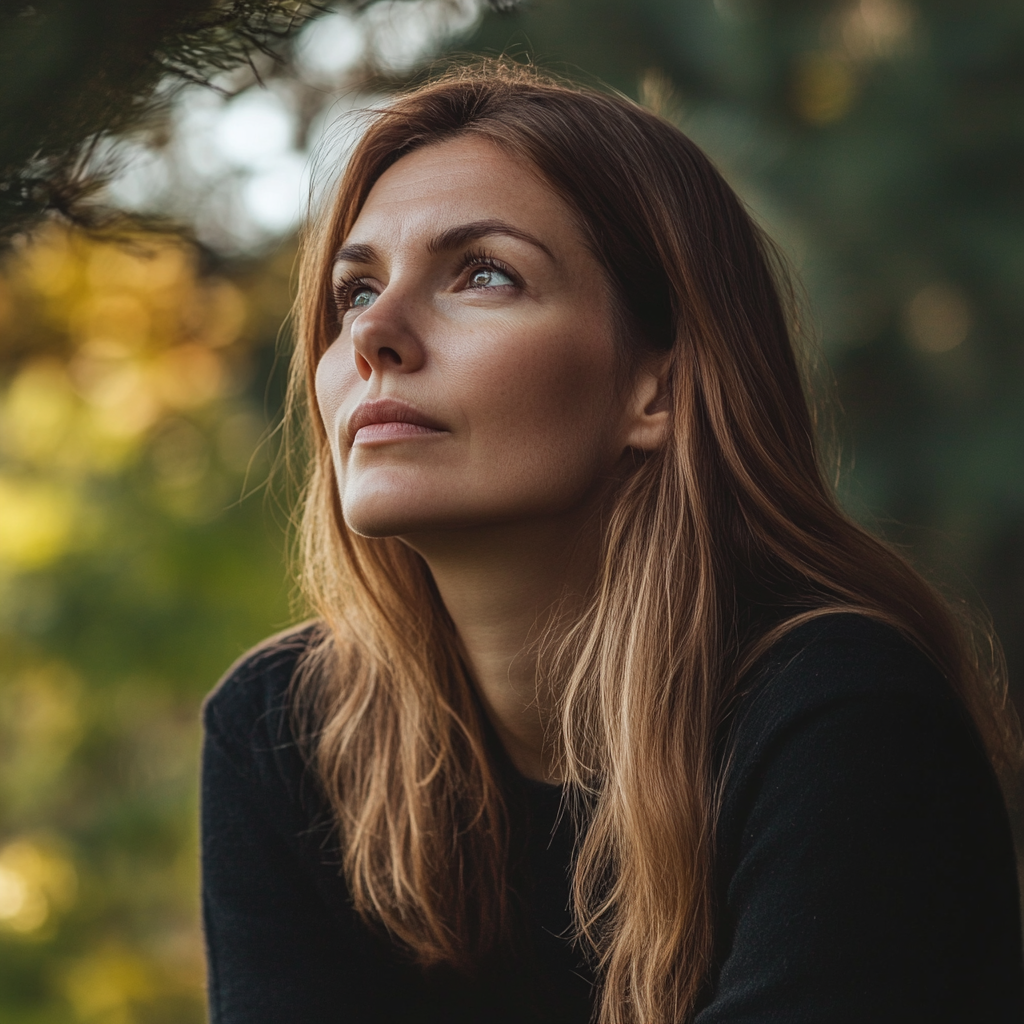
{"x": 505, "y": 345}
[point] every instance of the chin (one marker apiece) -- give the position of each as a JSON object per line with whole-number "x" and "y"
{"x": 393, "y": 508}
{"x": 391, "y": 515}
{"x": 367, "y": 524}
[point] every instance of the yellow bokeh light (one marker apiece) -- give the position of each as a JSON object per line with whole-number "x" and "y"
{"x": 225, "y": 315}
{"x": 36, "y": 519}
{"x": 143, "y": 296}
{"x": 188, "y": 375}
{"x": 49, "y": 266}
{"x": 38, "y": 411}
{"x": 824, "y": 88}
{"x": 13, "y": 894}
{"x": 155, "y": 267}
{"x": 114, "y": 316}
{"x": 145, "y": 336}
{"x": 34, "y": 881}
{"x": 103, "y": 985}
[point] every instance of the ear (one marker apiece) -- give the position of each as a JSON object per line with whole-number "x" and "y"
{"x": 648, "y": 411}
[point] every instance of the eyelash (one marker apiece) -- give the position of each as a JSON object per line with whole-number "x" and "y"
{"x": 478, "y": 258}
{"x": 348, "y": 286}
{"x": 344, "y": 290}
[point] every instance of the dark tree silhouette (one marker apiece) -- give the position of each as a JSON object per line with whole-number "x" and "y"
{"x": 74, "y": 73}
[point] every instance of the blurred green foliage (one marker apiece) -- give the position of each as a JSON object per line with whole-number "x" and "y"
{"x": 881, "y": 141}
{"x": 130, "y": 576}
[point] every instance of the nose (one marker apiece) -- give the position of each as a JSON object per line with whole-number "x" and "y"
{"x": 383, "y": 338}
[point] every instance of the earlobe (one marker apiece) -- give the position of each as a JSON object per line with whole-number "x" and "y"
{"x": 650, "y": 410}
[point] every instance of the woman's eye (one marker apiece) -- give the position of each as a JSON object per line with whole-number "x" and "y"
{"x": 488, "y": 277}
{"x": 362, "y": 297}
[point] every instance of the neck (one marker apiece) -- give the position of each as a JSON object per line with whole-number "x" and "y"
{"x": 502, "y": 586}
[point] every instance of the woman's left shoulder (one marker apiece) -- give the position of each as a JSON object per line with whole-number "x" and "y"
{"x": 846, "y": 698}
{"x": 836, "y": 660}
{"x": 861, "y": 835}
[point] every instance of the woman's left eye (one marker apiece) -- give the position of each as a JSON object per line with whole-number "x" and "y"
{"x": 488, "y": 277}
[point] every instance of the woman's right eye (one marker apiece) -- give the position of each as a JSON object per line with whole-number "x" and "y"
{"x": 361, "y": 297}
{"x": 352, "y": 293}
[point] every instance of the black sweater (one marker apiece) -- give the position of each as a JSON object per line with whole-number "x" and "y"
{"x": 864, "y": 867}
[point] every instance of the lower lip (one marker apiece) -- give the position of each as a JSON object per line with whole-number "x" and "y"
{"x": 393, "y": 431}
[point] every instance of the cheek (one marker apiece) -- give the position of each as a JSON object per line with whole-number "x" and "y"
{"x": 550, "y": 401}
{"x": 336, "y": 377}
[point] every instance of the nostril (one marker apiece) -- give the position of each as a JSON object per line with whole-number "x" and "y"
{"x": 363, "y": 368}
{"x": 389, "y": 355}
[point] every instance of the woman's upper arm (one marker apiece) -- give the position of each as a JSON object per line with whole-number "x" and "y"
{"x": 276, "y": 954}
{"x": 868, "y": 875}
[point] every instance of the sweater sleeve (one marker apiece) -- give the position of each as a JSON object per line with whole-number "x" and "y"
{"x": 867, "y": 867}
{"x": 277, "y": 953}
{"x": 274, "y": 954}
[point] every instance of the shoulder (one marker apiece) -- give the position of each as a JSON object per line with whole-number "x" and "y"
{"x": 845, "y": 712}
{"x": 837, "y": 660}
{"x": 247, "y": 710}
{"x": 861, "y": 834}
{"x": 845, "y": 683}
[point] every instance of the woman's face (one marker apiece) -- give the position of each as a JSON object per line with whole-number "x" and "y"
{"x": 473, "y": 380}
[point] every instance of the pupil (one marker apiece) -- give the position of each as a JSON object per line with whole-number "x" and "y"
{"x": 482, "y": 277}
{"x": 362, "y": 298}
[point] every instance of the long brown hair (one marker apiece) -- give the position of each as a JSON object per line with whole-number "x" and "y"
{"x": 715, "y": 546}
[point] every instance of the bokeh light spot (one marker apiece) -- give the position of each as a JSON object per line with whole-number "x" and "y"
{"x": 824, "y": 88}
{"x": 877, "y": 28}
{"x": 188, "y": 375}
{"x": 254, "y": 128}
{"x": 34, "y": 881}
{"x": 36, "y": 519}
{"x": 103, "y": 985}
{"x": 329, "y": 46}
{"x": 938, "y": 318}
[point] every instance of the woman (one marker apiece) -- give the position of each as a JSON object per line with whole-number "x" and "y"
{"x": 607, "y": 711}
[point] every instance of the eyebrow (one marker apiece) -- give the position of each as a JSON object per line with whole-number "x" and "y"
{"x": 446, "y": 241}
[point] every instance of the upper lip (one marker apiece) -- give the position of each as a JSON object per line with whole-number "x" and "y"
{"x": 388, "y": 410}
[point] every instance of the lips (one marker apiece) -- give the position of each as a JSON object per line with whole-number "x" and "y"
{"x": 388, "y": 419}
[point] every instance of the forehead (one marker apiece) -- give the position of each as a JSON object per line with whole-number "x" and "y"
{"x": 460, "y": 181}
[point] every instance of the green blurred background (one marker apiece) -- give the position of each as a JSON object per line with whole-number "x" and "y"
{"x": 882, "y": 143}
